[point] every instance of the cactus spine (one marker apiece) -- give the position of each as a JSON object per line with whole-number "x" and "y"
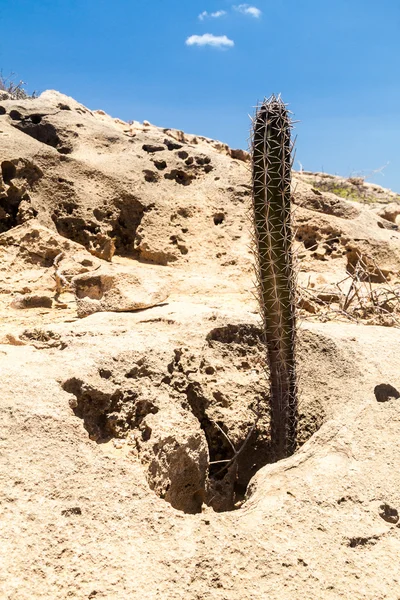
{"x": 271, "y": 169}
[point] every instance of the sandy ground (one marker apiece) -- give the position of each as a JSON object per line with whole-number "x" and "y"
{"x": 109, "y": 422}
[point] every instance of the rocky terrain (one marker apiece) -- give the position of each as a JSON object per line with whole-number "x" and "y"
{"x": 134, "y": 439}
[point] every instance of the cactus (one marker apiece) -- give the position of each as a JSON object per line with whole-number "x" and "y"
{"x": 271, "y": 170}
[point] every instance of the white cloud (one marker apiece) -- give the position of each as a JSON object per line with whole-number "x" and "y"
{"x": 218, "y": 13}
{"x": 246, "y": 9}
{"x": 208, "y": 39}
{"x": 214, "y": 15}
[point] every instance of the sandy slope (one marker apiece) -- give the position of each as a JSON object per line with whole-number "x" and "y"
{"x": 109, "y": 421}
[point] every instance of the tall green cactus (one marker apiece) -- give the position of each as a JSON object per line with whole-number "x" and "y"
{"x": 271, "y": 164}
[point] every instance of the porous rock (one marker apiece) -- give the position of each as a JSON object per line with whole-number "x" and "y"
{"x": 390, "y": 212}
{"x": 31, "y": 301}
{"x": 28, "y": 253}
{"x": 116, "y": 289}
{"x": 175, "y": 451}
{"x": 94, "y": 502}
{"x": 123, "y": 400}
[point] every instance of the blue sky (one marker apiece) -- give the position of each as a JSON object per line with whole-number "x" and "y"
{"x": 336, "y": 62}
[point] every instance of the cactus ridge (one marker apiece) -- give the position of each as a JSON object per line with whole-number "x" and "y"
{"x": 271, "y": 173}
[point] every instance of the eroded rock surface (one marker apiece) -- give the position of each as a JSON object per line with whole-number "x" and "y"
{"x": 116, "y": 289}
{"x": 129, "y": 437}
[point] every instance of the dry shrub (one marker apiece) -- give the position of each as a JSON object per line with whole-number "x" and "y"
{"x": 15, "y": 89}
{"x": 359, "y": 298}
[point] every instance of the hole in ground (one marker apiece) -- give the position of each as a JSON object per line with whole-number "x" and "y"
{"x": 203, "y": 160}
{"x": 8, "y": 171}
{"x": 180, "y": 177}
{"x": 36, "y": 119}
{"x": 12, "y": 212}
{"x": 42, "y": 132}
{"x": 152, "y": 148}
{"x": 111, "y": 408}
{"x": 123, "y": 399}
{"x": 129, "y": 214}
{"x": 15, "y": 115}
{"x": 219, "y": 218}
{"x": 388, "y": 513}
{"x": 385, "y": 392}
{"x": 122, "y": 217}
{"x": 46, "y": 133}
{"x": 10, "y": 215}
{"x": 172, "y": 145}
{"x": 150, "y": 176}
{"x": 74, "y": 227}
{"x": 247, "y": 443}
{"x": 160, "y": 164}
{"x": 176, "y": 241}
{"x": 107, "y": 414}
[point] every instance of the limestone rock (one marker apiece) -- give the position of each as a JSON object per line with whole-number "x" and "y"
{"x": 28, "y": 253}
{"x": 174, "y": 449}
{"x": 102, "y": 246}
{"x": 31, "y": 301}
{"x": 390, "y": 212}
{"x": 115, "y": 429}
{"x": 324, "y": 202}
{"x": 116, "y": 289}
{"x": 168, "y": 440}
